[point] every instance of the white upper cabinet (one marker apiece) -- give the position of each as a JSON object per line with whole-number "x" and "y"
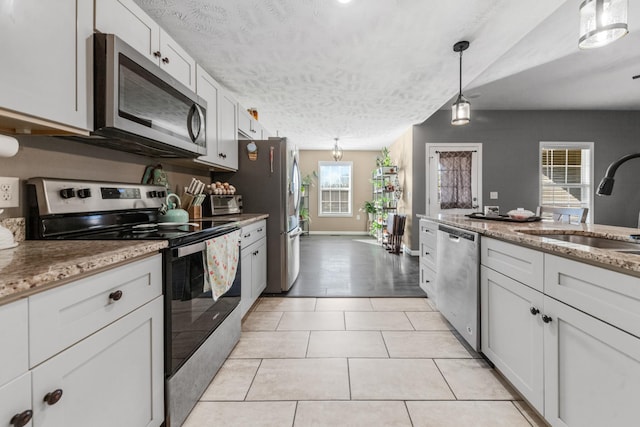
{"x": 222, "y": 142}
{"x": 249, "y": 127}
{"x": 129, "y": 22}
{"x": 228, "y": 129}
{"x": 47, "y": 64}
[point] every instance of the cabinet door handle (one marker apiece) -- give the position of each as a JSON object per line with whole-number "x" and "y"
{"x": 426, "y": 253}
{"x": 21, "y": 419}
{"x": 116, "y": 295}
{"x": 546, "y": 319}
{"x": 534, "y": 311}
{"x": 247, "y": 235}
{"x": 157, "y": 54}
{"x": 53, "y": 397}
{"x": 259, "y": 230}
{"x": 165, "y": 60}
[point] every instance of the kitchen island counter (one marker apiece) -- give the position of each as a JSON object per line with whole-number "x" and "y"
{"x": 36, "y": 265}
{"x": 518, "y": 232}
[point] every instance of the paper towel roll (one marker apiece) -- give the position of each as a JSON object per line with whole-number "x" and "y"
{"x": 8, "y": 146}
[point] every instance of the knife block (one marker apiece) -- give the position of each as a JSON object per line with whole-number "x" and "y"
{"x": 195, "y": 212}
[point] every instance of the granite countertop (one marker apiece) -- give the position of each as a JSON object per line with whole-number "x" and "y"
{"x": 241, "y": 220}
{"x": 512, "y": 232}
{"x": 36, "y": 265}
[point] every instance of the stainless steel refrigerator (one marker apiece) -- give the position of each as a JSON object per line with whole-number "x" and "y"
{"x": 269, "y": 182}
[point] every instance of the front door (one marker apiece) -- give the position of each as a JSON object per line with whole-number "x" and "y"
{"x": 454, "y": 178}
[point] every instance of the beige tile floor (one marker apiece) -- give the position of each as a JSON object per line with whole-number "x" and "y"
{"x": 355, "y": 362}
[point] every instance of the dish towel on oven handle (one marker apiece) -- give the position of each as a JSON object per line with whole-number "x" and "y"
{"x": 221, "y": 263}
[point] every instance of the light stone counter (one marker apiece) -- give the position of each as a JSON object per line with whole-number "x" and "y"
{"x": 36, "y": 265}
{"x": 511, "y": 232}
{"x": 240, "y": 220}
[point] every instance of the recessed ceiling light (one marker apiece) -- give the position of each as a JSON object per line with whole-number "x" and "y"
{"x": 344, "y": 1}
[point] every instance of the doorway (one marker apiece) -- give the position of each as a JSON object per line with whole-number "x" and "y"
{"x": 453, "y": 178}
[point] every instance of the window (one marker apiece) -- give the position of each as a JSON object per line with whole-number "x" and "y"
{"x": 566, "y": 175}
{"x": 335, "y": 193}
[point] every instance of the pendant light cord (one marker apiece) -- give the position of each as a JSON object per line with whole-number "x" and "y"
{"x": 460, "y": 80}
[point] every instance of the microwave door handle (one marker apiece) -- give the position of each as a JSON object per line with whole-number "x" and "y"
{"x": 195, "y": 109}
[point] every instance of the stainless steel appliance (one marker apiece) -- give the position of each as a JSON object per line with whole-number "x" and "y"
{"x": 140, "y": 108}
{"x": 458, "y": 281}
{"x": 199, "y": 332}
{"x": 271, "y": 184}
{"x": 221, "y": 205}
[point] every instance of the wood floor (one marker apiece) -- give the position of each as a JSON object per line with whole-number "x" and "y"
{"x": 353, "y": 266}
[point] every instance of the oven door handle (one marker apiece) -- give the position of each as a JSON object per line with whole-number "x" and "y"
{"x": 191, "y": 249}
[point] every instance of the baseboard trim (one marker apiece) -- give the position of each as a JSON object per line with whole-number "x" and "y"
{"x": 341, "y": 233}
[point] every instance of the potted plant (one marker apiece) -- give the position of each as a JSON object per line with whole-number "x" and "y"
{"x": 369, "y": 208}
{"x": 304, "y": 214}
{"x": 384, "y": 162}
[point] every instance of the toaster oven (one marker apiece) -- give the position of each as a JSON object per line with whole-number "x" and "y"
{"x": 222, "y": 205}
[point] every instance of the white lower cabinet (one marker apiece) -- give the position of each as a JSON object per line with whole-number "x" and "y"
{"x": 95, "y": 347}
{"x": 592, "y": 370}
{"x": 108, "y": 379}
{"x": 428, "y": 257}
{"x": 512, "y": 336}
{"x": 253, "y": 259}
{"x": 15, "y": 409}
{"x": 575, "y": 368}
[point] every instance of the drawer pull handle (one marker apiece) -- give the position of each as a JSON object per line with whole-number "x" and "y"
{"x": 21, "y": 419}
{"x": 534, "y": 311}
{"x": 546, "y": 319}
{"x": 157, "y": 54}
{"x": 259, "y": 230}
{"x": 53, "y": 397}
{"x": 426, "y": 253}
{"x": 247, "y": 235}
{"x": 116, "y": 295}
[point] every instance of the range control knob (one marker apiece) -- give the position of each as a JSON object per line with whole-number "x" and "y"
{"x": 152, "y": 194}
{"x": 162, "y": 194}
{"x": 83, "y": 193}
{"x": 67, "y": 193}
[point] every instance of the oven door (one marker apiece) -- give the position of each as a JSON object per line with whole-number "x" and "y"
{"x": 191, "y": 314}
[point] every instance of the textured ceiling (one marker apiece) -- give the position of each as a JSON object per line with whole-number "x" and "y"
{"x": 363, "y": 72}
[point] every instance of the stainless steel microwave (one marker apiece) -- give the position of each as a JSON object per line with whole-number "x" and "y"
{"x": 140, "y": 108}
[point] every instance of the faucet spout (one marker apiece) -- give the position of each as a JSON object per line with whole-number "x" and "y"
{"x": 606, "y": 184}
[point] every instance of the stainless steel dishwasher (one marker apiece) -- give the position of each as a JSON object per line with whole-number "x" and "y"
{"x": 458, "y": 282}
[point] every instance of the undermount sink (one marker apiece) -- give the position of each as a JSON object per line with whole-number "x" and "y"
{"x": 589, "y": 240}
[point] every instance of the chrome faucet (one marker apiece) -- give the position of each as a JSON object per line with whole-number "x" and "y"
{"x": 606, "y": 185}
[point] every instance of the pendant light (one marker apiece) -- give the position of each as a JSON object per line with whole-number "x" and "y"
{"x": 461, "y": 109}
{"x": 337, "y": 151}
{"x": 602, "y": 22}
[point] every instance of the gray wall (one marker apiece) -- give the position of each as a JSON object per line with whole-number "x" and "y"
{"x": 510, "y": 143}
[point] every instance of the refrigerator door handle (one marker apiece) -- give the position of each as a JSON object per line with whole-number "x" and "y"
{"x": 296, "y": 233}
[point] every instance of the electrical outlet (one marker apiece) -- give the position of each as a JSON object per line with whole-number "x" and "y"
{"x": 493, "y": 195}
{"x": 9, "y": 192}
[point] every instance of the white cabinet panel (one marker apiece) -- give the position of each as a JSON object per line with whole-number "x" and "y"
{"x": 522, "y": 264}
{"x": 47, "y": 53}
{"x": 428, "y": 282}
{"x": 15, "y": 398}
{"x": 176, "y": 61}
{"x": 512, "y": 333}
{"x": 129, "y": 22}
{"x": 259, "y": 269}
{"x": 14, "y": 336}
{"x": 228, "y": 130}
{"x": 592, "y": 370}
{"x": 65, "y": 315}
{"x": 605, "y": 294}
{"x": 244, "y": 122}
{"x": 222, "y": 142}
{"x": 254, "y": 263}
{"x": 112, "y": 378}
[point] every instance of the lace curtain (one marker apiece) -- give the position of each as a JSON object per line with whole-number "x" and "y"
{"x": 455, "y": 180}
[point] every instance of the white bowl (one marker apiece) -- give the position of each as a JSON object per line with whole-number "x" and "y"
{"x": 520, "y": 215}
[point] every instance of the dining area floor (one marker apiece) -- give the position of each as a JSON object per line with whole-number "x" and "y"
{"x": 356, "y": 362}
{"x": 354, "y": 266}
